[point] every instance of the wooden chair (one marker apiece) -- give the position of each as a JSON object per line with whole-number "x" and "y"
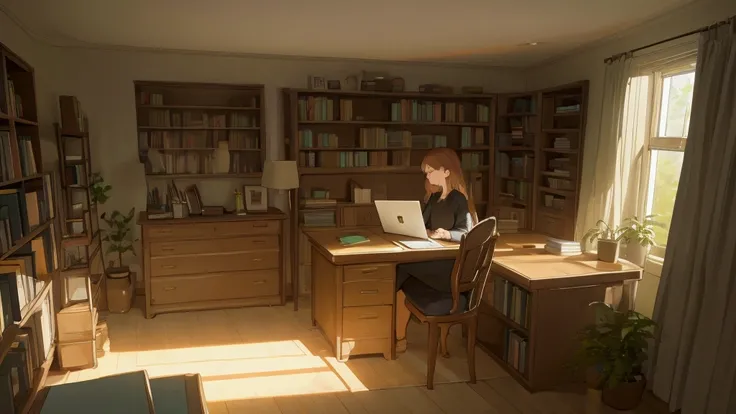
{"x": 441, "y": 310}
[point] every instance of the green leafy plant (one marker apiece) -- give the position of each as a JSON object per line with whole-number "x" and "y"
{"x": 118, "y": 235}
{"x": 601, "y": 231}
{"x": 616, "y": 345}
{"x": 640, "y": 231}
{"x": 99, "y": 189}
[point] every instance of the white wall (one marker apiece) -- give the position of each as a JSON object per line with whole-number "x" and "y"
{"x": 588, "y": 64}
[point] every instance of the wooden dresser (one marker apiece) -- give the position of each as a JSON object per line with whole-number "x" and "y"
{"x": 210, "y": 262}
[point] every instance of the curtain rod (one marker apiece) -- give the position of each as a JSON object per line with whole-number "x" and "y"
{"x": 702, "y": 29}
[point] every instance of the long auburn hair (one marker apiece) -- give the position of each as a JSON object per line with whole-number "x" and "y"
{"x": 447, "y": 158}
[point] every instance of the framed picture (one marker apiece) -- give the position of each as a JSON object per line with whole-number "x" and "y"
{"x": 317, "y": 82}
{"x": 256, "y": 198}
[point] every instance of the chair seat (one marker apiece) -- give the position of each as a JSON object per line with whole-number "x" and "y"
{"x": 429, "y": 301}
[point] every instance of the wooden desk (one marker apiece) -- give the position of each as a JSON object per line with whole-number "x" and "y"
{"x": 540, "y": 298}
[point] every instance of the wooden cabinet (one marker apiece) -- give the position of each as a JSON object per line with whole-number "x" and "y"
{"x": 213, "y": 262}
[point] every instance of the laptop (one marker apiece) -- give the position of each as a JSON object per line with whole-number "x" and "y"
{"x": 405, "y": 218}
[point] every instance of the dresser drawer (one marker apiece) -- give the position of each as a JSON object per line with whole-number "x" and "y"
{"x": 365, "y": 322}
{"x": 369, "y": 272}
{"x": 188, "y": 231}
{"x": 247, "y": 228}
{"x": 210, "y": 263}
{"x": 222, "y": 286}
{"x": 368, "y": 292}
{"x": 173, "y": 248}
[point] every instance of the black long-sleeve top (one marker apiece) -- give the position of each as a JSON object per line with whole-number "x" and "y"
{"x": 451, "y": 214}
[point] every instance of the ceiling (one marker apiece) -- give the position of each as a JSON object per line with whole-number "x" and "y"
{"x": 481, "y": 32}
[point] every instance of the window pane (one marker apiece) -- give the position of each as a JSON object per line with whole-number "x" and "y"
{"x": 664, "y": 176}
{"x": 677, "y": 99}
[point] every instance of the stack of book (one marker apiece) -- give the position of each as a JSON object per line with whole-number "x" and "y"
{"x": 508, "y": 226}
{"x": 562, "y": 247}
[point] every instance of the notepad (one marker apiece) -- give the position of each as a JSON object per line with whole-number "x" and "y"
{"x": 353, "y": 239}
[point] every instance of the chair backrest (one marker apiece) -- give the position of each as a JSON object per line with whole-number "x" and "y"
{"x": 473, "y": 264}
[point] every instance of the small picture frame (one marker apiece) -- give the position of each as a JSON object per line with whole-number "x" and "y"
{"x": 333, "y": 85}
{"x": 317, "y": 83}
{"x": 256, "y": 198}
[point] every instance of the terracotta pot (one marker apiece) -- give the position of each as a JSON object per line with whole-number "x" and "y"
{"x": 625, "y": 396}
{"x": 608, "y": 250}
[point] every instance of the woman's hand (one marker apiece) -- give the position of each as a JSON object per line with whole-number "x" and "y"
{"x": 440, "y": 234}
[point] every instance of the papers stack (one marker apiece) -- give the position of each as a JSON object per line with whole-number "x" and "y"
{"x": 562, "y": 247}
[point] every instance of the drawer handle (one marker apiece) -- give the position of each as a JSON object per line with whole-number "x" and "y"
{"x": 168, "y": 267}
{"x": 259, "y": 282}
{"x": 258, "y": 260}
{"x": 368, "y": 316}
{"x": 258, "y": 241}
{"x": 167, "y": 249}
{"x": 369, "y": 269}
{"x": 369, "y": 292}
{"x": 169, "y": 288}
{"x": 260, "y": 224}
{"x": 164, "y": 231}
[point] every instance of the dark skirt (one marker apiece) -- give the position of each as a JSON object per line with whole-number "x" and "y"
{"x": 434, "y": 273}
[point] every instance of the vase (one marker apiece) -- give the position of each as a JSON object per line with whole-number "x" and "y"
{"x": 636, "y": 253}
{"x": 608, "y": 250}
{"x": 221, "y": 164}
{"x": 626, "y": 395}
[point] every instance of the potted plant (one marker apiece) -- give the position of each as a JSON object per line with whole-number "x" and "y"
{"x": 614, "y": 349}
{"x": 639, "y": 236}
{"x": 119, "y": 240}
{"x": 99, "y": 189}
{"x": 608, "y": 244}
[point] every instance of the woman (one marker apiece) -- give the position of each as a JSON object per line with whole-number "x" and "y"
{"x": 448, "y": 213}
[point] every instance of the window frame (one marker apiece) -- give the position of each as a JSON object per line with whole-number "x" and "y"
{"x": 654, "y": 142}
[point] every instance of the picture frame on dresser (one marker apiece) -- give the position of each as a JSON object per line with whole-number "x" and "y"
{"x": 256, "y": 198}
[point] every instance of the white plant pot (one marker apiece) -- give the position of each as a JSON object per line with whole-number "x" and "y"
{"x": 636, "y": 253}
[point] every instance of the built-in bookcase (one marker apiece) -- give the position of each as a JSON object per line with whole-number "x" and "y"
{"x": 195, "y": 130}
{"x": 29, "y": 246}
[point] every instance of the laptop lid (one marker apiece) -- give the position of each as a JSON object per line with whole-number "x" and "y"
{"x": 402, "y": 217}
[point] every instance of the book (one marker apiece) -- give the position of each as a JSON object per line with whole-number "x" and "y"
{"x": 353, "y": 239}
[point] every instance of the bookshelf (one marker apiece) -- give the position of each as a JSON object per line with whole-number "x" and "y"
{"x": 82, "y": 263}
{"x": 538, "y": 151}
{"x": 376, "y": 140}
{"x": 200, "y": 130}
{"x": 28, "y": 243}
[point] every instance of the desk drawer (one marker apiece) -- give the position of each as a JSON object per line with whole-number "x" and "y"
{"x": 211, "y": 263}
{"x": 222, "y": 286}
{"x": 369, "y": 272}
{"x": 368, "y": 292}
{"x": 365, "y": 322}
{"x": 173, "y": 248}
{"x": 247, "y": 228}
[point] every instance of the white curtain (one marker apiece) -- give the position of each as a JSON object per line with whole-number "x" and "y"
{"x": 610, "y": 179}
{"x": 694, "y": 357}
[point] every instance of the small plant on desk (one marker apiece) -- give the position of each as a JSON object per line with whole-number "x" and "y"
{"x": 613, "y": 350}
{"x": 119, "y": 240}
{"x": 608, "y": 242}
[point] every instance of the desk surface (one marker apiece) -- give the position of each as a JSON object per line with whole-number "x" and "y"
{"x": 520, "y": 257}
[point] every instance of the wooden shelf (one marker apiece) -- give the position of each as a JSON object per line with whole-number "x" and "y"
{"x": 203, "y": 115}
{"x": 397, "y": 123}
{"x": 21, "y": 180}
{"x": 39, "y": 375}
{"x": 10, "y": 332}
{"x": 392, "y": 95}
{"x": 26, "y": 239}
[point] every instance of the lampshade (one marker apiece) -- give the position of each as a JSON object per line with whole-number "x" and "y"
{"x": 280, "y": 175}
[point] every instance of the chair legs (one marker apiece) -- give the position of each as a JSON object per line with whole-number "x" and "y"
{"x": 444, "y": 332}
{"x": 472, "y": 332}
{"x": 432, "y": 344}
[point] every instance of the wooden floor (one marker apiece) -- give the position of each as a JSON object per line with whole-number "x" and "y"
{"x": 271, "y": 360}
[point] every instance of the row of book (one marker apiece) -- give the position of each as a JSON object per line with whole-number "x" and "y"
{"x": 471, "y": 160}
{"x": 29, "y": 351}
{"x": 559, "y": 183}
{"x": 22, "y": 210}
{"x": 511, "y": 301}
{"x": 413, "y": 110}
{"x": 164, "y": 118}
{"x": 470, "y": 137}
{"x": 515, "y": 349}
{"x": 518, "y": 190}
{"x": 204, "y": 163}
{"x": 157, "y": 99}
{"x": 17, "y": 157}
{"x": 521, "y": 167}
{"x": 198, "y": 139}
{"x": 15, "y": 103}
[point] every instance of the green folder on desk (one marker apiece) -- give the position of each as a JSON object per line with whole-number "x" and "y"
{"x": 353, "y": 239}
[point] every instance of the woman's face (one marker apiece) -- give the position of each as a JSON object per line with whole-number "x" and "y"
{"x": 436, "y": 177}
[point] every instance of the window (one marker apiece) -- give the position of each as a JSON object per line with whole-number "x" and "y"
{"x": 672, "y": 96}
